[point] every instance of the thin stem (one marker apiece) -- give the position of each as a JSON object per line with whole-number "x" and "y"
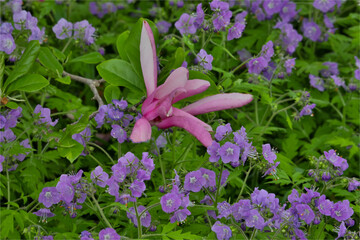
{"x": 148, "y": 208}
{"x": 100, "y": 210}
{"x": 8, "y": 187}
{"x": 218, "y": 185}
{"x": 138, "y": 218}
{"x": 152, "y": 235}
{"x": 26, "y": 101}
{"x": 67, "y": 45}
{"x": 208, "y": 218}
{"x": 103, "y": 150}
{"x": 337, "y": 110}
{"x": 244, "y": 183}
{"x": 242, "y": 64}
{"x": 256, "y": 111}
{"x": 239, "y": 228}
{"x": 161, "y": 165}
{"x": 253, "y": 234}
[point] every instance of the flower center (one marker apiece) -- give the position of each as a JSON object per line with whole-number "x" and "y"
{"x": 107, "y": 237}
{"x": 48, "y": 195}
{"x": 193, "y": 180}
{"x": 169, "y": 202}
{"x": 229, "y": 151}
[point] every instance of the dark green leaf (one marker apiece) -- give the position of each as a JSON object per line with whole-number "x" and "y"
{"x": 91, "y": 58}
{"x": 47, "y": 59}
{"x": 28, "y": 83}
{"x": 111, "y": 92}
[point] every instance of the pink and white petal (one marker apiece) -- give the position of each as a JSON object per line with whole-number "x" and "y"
{"x": 180, "y": 113}
{"x": 176, "y": 79}
{"x": 148, "y": 58}
{"x": 141, "y": 131}
{"x": 193, "y": 87}
{"x": 218, "y": 102}
{"x": 190, "y": 125}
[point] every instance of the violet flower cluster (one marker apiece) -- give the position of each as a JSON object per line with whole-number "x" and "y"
{"x": 82, "y": 30}
{"x": 83, "y": 138}
{"x": 114, "y": 114}
{"x": 103, "y": 8}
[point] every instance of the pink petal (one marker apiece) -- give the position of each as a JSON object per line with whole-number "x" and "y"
{"x": 192, "y": 88}
{"x": 148, "y": 58}
{"x": 176, "y": 79}
{"x": 180, "y": 113}
{"x": 218, "y": 102}
{"x": 141, "y": 131}
{"x": 190, "y": 124}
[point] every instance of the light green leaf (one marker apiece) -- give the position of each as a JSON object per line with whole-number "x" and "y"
{"x": 64, "y": 80}
{"x": 28, "y": 83}
{"x": 48, "y": 60}
{"x": 111, "y": 92}
{"x": 120, "y": 45}
{"x": 90, "y": 58}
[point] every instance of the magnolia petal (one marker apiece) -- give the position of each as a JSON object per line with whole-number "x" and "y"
{"x": 176, "y": 79}
{"x": 141, "y": 131}
{"x": 193, "y": 87}
{"x": 190, "y": 124}
{"x": 148, "y": 58}
{"x": 180, "y": 113}
{"x": 218, "y": 102}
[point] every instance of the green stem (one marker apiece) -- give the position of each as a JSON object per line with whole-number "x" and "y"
{"x": 256, "y": 111}
{"x": 119, "y": 150}
{"x": 161, "y": 165}
{"x": 152, "y": 235}
{"x": 337, "y": 110}
{"x": 67, "y": 44}
{"x": 244, "y": 183}
{"x": 253, "y": 234}
{"x": 173, "y": 145}
{"x": 148, "y": 208}
{"x": 138, "y": 218}
{"x": 242, "y": 64}
{"x": 239, "y": 228}
{"x": 8, "y": 187}
{"x": 218, "y": 185}
{"x": 100, "y": 211}
{"x": 103, "y": 150}
{"x": 26, "y": 101}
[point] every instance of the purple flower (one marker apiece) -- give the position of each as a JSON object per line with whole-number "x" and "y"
{"x": 324, "y": 5}
{"x": 83, "y": 30}
{"x": 213, "y": 151}
{"x": 240, "y": 18}
{"x": 288, "y": 11}
{"x": 290, "y": 37}
{"x": 7, "y": 135}
{"x": 6, "y": 28}
{"x": 194, "y": 181}
{"x": 244, "y": 54}
{"x": 200, "y": 15}
{"x": 49, "y": 196}
{"x": 99, "y": 176}
{"x": 20, "y": 19}
{"x": 240, "y": 210}
{"x": 121, "y": 104}
{"x": 305, "y": 213}
{"x": 272, "y": 7}
{"x": 118, "y": 132}
{"x": 256, "y": 65}
{"x": 163, "y": 26}
{"x": 224, "y": 209}
{"x": 357, "y": 74}
{"x": 47, "y": 238}
{"x": 224, "y": 176}
{"x": 185, "y": 24}
{"x": 108, "y": 233}
{"x": 65, "y": 188}
{"x": 180, "y": 215}
{"x": 222, "y": 231}
{"x": 63, "y": 29}
{"x": 44, "y": 214}
{"x": 307, "y": 110}
{"x": 145, "y": 219}
{"x": 289, "y": 65}
{"x": 85, "y": 235}
{"x": 37, "y": 34}
{"x": 125, "y": 198}
{"x": 317, "y": 82}
{"x": 100, "y": 117}
{"x": 338, "y": 81}
{"x": 268, "y": 153}
{"x": 353, "y": 184}
{"x": 204, "y": 59}
{"x": 147, "y": 162}
{"x": 222, "y": 131}
{"x": 209, "y": 176}
{"x": 229, "y": 152}
{"x": 2, "y": 159}
{"x": 161, "y": 141}
{"x": 254, "y": 219}
{"x": 342, "y": 230}
{"x": 341, "y": 211}
{"x": 324, "y": 205}
{"x": 137, "y": 188}
{"x": 7, "y": 43}
{"x": 44, "y": 115}
{"x": 294, "y": 196}
{"x": 222, "y": 20}
{"x": 235, "y": 31}
{"x": 272, "y": 169}
{"x": 311, "y": 30}
{"x": 332, "y": 69}
{"x": 219, "y": 6}
{"x": 336, "y": 160}
{"x": 207, "y": 200}
{"x": 308, "y": 196}
{"x": 170, "y": 202}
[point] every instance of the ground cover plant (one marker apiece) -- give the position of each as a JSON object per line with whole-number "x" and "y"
{"x": 179, "y": 119}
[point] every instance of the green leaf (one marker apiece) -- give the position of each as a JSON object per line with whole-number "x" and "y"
{"x": 168, "y": 227}
{"x": 111, "y": 92}
{"x": 64, "y": 80}
{"x": 58, "y": 54}
{"x": 48, "y": 60}
{"x": 12, "y": 105}
{"x": 70, "y": 149}
{"x": 120, "y": 45}
{"x": 120, "y": 73}
{"x": 25, "y": 63}
{"x": 173, "y": 63}
{"x": 7, "y": 226}
{"x": 29, "y": 83}
{"x": 90, "y": 58}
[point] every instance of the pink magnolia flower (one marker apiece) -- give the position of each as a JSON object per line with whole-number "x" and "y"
{"x": 157, "y": 109}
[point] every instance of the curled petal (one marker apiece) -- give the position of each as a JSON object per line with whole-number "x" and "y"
{"x": 148, "y": 58}
{"x": 177, "y": 79}
{"x": 218, "y": 102}
{"x": 141, "y": 131}
{"x": 192, "y": 88}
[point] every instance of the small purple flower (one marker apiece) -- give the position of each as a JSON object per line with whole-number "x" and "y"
{"x": 254, "y": 219}
{"x": 6, "y": 28}
{"x": 219, "y": 6}
{"x": 240, "y": 210}
{"x": 324, "y": 205}
{"x": 44, "y": 115}
{"x": 222, "y": 231}
{"x": 222, "y": 20}
{"x": 256, "y": 65}
{"x": 357, "y": 74}
{"x": 99, "y": 176}
{"x": 137, "y": 188}
{"x": 185, "y": 24}
{"x": 125, "y": 198}
{"x": 235, "y": 31}
{"x": 222, "y": 131}
{"x": 26, "y": 144}
{"x": 353, "y": 184}
{"x": 324, "y": 5}
{"x": 288, "y": 11}
{"x": 326, "y": 176}
{"x": 85, "y": 235}
{"x": 332, "y": 69}
{"x": 308, "y": 196}
{"x": 44, "y": 214}
{"x": 2, "y": 159}
{"x": 289, "y": 65}
{"x": 83, "y": 30}
{"x": 118, "y": 132}
{"x": 145, "y": 219}
{"x": 161, "y": 141}
{"x": 163, "y": 26}
{"x": 224, "y": 209}
{"x": 147, "y": 162}
{"x": 268, "y": 153}
{"x": 305, "y": 213}
{"x": 47, "y": 238}
{"x": 20, "y": 19}
{"x": 342, "y": 230}
{"x": 194, "y": 181}
{"x": 272, "y": 169}
{"x": 224, "y": 176}
{"x": 170, "y": 202}
{"x": 121, "y": 104}
{"x": 180, "y": 215}
{"x": 114, "y": 113}
{"x": 209, "y": 176}
{"x": 317, "y": 82}
{"x": 200, "y": 15}
{"x": 213, "y": 151}
{"x": 100, "y": 117}
{"x": 272, "y": 7}
{"x": 240, "y": 18}
{"x": 7, "y": 43}
{"x": 290, "y": 37}
{"x": 341, "y": 211}
{"x": 63, "y": 29}
{"x": 229, "y": 152}
{"x": 294, "y": 196}
{"x": 204, "y": 59}
{"x": 338, "y": 81}
{"x": 37, "y": 34}
{"x": 108, "y": 233}
{"x": 311, "y": 30}
{"x": 307, "y": 110}
{"x": 49, "y": 196}
{"x": 336, "y": 160}
{"x": 65, "y": 188}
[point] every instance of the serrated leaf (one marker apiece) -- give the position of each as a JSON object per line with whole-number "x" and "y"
{"x": 168, "y": 227}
